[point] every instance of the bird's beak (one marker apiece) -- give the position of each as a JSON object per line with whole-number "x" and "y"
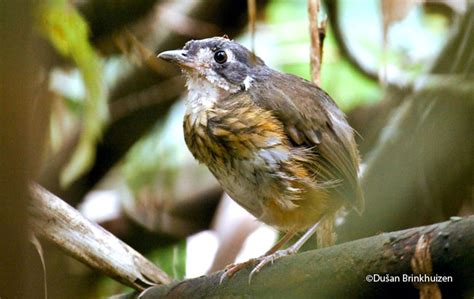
{"x": 179, "y": 57}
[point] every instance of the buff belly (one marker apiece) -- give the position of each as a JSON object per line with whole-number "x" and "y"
{"x": 258, "y": 191}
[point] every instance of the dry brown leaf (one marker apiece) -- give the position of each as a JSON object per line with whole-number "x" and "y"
{"x": 394, "y": 11}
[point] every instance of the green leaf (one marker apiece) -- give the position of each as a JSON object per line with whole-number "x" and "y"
{"x": 68, "y": 32}
{"x": 172, "y": 259}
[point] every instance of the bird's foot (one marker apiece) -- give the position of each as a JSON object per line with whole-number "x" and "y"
{"x": 231, "y": 269}
{"x": 264, "y": 260}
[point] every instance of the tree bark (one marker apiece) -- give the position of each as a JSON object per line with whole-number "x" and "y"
{"x": 61, "y": 224}
{"x": 340, "y": 271}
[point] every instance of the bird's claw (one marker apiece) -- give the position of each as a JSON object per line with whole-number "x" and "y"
{"x": 264, "y": 260}
{"x": 223, "y": 276}
{"x": 231, "y": 269}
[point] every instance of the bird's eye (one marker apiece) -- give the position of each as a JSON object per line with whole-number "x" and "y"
{"x": 220, "y": 57}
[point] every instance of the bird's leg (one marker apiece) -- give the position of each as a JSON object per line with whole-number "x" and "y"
{"x": 288, "y": 235}
{"x": 231, "y": 269}
{"x": 289, "y": 251}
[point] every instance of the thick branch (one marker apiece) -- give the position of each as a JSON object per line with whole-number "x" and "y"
{"x": 56, "y": 221}
{"x": 340, "y": 271}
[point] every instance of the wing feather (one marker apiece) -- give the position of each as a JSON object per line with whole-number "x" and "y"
{"x": 313, "y": 120}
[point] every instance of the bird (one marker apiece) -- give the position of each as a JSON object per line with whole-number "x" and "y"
{"x": 278, "y": 144}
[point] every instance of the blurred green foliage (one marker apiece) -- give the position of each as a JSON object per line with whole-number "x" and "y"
{"x": 405, "y": 56}
{"x": 146, "y": 160}
{"x": 68, "y": 32}
{"x": 171, "y": 259}
{"x": 156, "y": 158}
{"x": 292, "y": 39}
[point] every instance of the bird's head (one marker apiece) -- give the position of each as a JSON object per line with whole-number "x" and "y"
{"x": 218, "y": 60}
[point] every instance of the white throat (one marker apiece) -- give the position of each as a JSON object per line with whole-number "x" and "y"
{"x": 202, "y": 94}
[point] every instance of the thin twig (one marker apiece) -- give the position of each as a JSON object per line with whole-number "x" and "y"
{"x": 316, "y": 49}
{"x": 252, "y": 15}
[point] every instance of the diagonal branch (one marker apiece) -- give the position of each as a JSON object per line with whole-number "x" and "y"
{"x": 341, "y": 271}
{"x": 56, "y": 221}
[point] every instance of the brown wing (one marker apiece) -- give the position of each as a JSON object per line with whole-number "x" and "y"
{"x": 312, "y": 119}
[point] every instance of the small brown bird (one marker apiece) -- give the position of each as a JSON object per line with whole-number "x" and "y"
{"x": 278, "y": 145}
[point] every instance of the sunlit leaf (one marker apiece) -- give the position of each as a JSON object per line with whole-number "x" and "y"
{"x": 68, "y": 32}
